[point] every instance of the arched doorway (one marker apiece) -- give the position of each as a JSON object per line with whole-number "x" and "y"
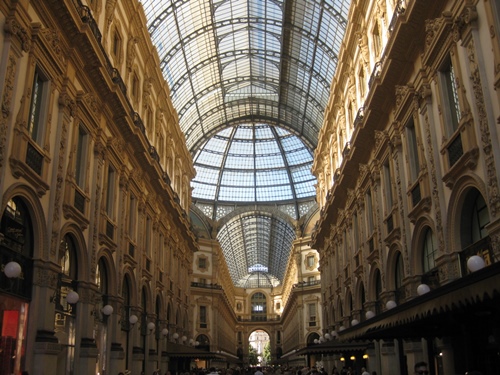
{"x": 259, "y": 348}
{"x": 16, "y": 253}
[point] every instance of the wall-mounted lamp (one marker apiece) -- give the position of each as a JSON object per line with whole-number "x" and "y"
{"x": 422, "y": 289}
{"x": 184, "y": 338}
{"x": 475, "y": 263}
{"x": 107, "y": 310}
{"x": 369, "y": 314}
{"x": 196, "y": 343}
{"x": 342, "y": 359}
{"x": 12, "y": 270}
{"x": 353, "y": 358}
{"x": 151, "y": 327}
{"x": 354, "y": 322}
{"x": 175, "y": 336}
{"x": 133, "y": 319}
{"x": 365, "y": 356}
{"x": 164, "y": 332}
{"x": 327, "y": 336}
{"x": 390, "y": 304}
{"x": 72, "y": 297}
{"x": 191, "y": 342}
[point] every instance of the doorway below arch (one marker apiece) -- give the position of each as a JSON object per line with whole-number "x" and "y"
{"x": 259, "y": 348}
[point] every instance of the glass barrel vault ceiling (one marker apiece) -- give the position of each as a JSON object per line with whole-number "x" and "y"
{"x": 250, "y": 81}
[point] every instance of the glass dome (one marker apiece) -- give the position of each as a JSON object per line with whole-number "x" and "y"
{"x": 240, "y": 73}
{"x": 253, "y": 163}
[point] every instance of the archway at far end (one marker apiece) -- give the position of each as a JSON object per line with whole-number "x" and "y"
{"x": 259, "y": 348}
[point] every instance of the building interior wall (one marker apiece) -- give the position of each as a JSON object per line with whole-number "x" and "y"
{"x": 94, "y": 190}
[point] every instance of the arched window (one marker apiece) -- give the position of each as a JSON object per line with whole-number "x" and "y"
{"x": 126, "y": 304}
{"x": 17, "y": 246}
{"x": 378, "y": 292}
{"x": 16, "y": 228}
{"x": 429, "y": 251}
{"x": 475, "y": 217}
{"x": 474, "y": 236}
{"x": 362, "y": 295}
{"x": 102, "y": 283}
{"x": 144, "y": 323}
{"x": 158, "y": 323}
{"x": 203, "y": 342}
{"x": 399, "y": 275}
{"x": 259, "y": 307}
{"x": 377, "y": 41}
{"x": 65, "y": 316}
{"x": 126, "y": 313}
{"x": 361, "y": 83}
{"x": 101, "y": 327}
{"x": 312, "y": 338}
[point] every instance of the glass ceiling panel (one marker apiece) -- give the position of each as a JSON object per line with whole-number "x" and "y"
{"x": 273, "y": 161}
{"x": 256, "y": 241}
{"x": 188, "y": 33}
{"x": 250, "y": 81}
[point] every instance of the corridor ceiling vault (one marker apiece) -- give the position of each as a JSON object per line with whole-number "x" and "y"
{"x": 250, "y": 81}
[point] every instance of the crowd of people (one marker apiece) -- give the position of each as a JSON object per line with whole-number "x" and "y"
{"x": 420, "y": 368}
{"x": 278, "y": 370}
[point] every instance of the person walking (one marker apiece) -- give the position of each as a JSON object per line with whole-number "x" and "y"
{"x": 421, "y": 368}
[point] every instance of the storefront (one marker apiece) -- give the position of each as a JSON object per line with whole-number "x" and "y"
{"x": 15, "y": 285}
{"x": 459, "y": 322}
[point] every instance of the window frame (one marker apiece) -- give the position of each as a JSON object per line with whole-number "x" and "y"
{"x": 81, "y": 155}
{"x": 38, "y": 109}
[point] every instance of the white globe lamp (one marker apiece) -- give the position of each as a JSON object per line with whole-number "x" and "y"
{"x": 475, "y": 263}
{"x": 422, "y": 289}
{"x": 369, "y": 314}
{"x": 151, "y": 326}
{"x": 390, "y": 304}
{"x": 12, "y": 270}
{"x": 72, "y": 297}
{"x": 107, "y": 310}
{"x": 133, "y": 319}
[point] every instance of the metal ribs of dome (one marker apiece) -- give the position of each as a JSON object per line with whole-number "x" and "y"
{"x": 235, "y": 64}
